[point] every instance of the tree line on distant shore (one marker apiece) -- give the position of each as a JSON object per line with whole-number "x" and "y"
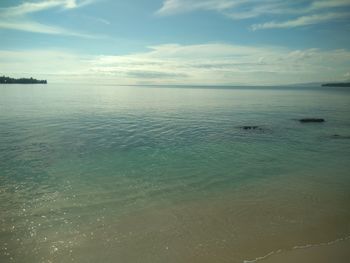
{"x": 8, "y": 80}
{"x": 338, "y": 84}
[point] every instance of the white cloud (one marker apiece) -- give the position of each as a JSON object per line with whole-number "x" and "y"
{"x": 39, "y": 62}
{"x": 31, "y": 26}
{"x": 302, "y": 21}
{"x": 32, "y": 7}
{"x": 26, "y": 8}
{"x": 210, "y": 64}
{"x": 179, "y": 6}
{"x": 250, "y": 8}
{"x": 17, "y": 17}
{"x": 300, "y": 13}
{"x": 320, "y": 4}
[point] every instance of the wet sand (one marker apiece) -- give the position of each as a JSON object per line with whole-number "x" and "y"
{"x": 232, "y": 226}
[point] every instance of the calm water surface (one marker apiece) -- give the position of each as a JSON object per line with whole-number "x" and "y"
{"x": 155, "y": 174}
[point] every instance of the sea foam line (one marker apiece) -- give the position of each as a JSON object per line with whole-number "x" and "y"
{"x": 297, "y": 247}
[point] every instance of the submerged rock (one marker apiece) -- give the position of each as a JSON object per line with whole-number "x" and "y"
{"x": 337, "y": 136}
{"x": 249, "y": 127}
{"x": 304, "y": 120}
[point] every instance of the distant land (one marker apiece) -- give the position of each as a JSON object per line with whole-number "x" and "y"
{"x": 8, "y": 80}
{"x": 338, "y": 84}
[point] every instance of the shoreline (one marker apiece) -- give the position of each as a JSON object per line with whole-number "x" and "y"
{"x": 325, "y": 252}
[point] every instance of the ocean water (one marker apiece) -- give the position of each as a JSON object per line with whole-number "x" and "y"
{"x": 93, "y": 173}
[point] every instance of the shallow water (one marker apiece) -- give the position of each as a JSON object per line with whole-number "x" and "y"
{"x": 156, "y": 174}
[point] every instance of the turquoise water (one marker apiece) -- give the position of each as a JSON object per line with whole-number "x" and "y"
{"x": 157, "y": 174}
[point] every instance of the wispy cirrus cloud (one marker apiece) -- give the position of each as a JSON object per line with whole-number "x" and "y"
{"x": 31, "y": 26}
{"x": 296, "y": 13}
{"x": 209, "y": 64}
{"x": 18, "y": 17}
{"x": 171, "y": 7}
{"x": 320, "y": 4}
{"x": 302, "y": 21}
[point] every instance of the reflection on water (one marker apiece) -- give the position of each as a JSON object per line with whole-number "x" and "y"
{"x": 135, "y": 174}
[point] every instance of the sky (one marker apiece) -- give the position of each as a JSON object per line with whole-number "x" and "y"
{"x": 176, "y": 42}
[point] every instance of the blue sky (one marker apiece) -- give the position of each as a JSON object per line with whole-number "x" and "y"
{"x": 224, "y": 42}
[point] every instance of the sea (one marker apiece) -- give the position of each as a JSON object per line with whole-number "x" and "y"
{"x": 153, "y": 174}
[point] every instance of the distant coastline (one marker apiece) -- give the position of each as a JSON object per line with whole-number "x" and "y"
{"x": 8, "y": 80}
{"x": 338, "y": 84}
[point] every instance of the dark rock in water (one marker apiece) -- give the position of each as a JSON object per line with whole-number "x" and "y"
{"x": 311, "y": 120}
{"x": 250, "y": 127}
{"x": 254, "y": 129}
{"x": 337, "y": 136}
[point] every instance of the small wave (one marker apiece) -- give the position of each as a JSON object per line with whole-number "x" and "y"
{"x": 263, "y": 257}
{"x": 297, "y": 247}
{"x": 322, "y": 244}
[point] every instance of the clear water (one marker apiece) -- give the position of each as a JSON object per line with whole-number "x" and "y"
{"x": 155, "y": 174}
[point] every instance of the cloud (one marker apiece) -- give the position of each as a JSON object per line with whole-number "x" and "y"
{"x": 320, "y": 4}
{"x": 155, "y": 74}
{"x": 209, "y": 64}
{"x": 236, "y": 9}
{"x": 250, "y": 8}
{"x": 51, "y": 64}
{"x": 103, "y": 21}
{"x": 30, "y": 26}
{"x": 299, "y": 13}
{"x": 33, "y": 7}
{"x": 302, "y": 21}
{"x": 170, "y": 7}
{"x": 17, "y": 17}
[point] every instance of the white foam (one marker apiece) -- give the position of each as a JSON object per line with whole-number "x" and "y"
{"x": 263, "y": 257}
